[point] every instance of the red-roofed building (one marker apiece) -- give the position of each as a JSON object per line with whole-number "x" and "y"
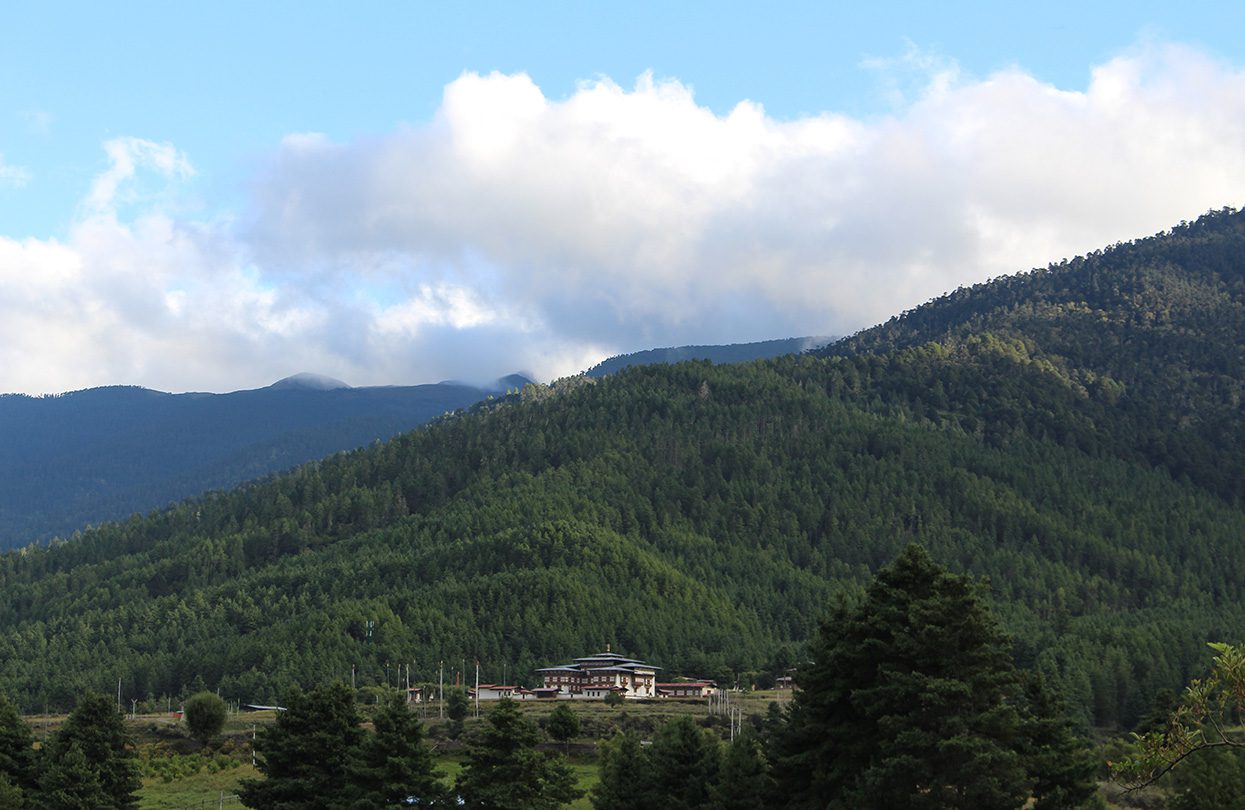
{"x": 687, "y": 689}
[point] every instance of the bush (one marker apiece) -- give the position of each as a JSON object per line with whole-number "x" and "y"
{"x": 205, "y": 716}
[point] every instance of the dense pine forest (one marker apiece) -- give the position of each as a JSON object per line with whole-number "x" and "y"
{"x": 1074, "y": 434}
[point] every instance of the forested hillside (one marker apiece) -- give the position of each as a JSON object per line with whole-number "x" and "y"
{"x": 732, "y": 353}
{"x": 101, "y": 454}
{"x": 704, "y": 517}
{"x": 1153, "y": 331}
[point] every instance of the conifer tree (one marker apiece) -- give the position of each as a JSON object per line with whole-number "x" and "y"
{"x": 305, "y": 755}
{"x": 684, "y": 761}
{"x": 909, "y": 701}
{"x": 563, "y": 724}
{"x": 504, "y": 771}
{"x": 1060, "y": 761}
{"x": 393, "y": 767}
{"x": 1213, "y": 780}
{"x": 92, "y": 741}
{"x": 744, "y": 782}
{"x": 624, "y": 769}
{"x": 17, "y": 755}
{"x": 11, "y": 796}
{"x": 69, "y": 781}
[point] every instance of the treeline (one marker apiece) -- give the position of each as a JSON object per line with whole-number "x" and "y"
{"x": 701, "y": 517}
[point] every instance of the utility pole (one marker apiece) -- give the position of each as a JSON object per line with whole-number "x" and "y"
{"x": 441, "y": 693}
{"x": 119, "y": 705}
{"x": 352, "y": 670}
{"x": 477, "y": 687}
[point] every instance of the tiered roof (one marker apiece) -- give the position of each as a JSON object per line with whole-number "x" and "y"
{"x": 607, "y": 661}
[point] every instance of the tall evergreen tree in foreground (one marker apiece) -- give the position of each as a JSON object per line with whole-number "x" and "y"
{"x": 683, "y": 766}
{"x": 17, "y": 754}
{"x": 744, "y": 780}
{"x": 911, "y": 700}
{"x": 305, "y": 755}
{"x": 504, "y": 771}
{"x": 393, "y": 767}
{"x": 90, "y": 761}
{"x": 624, "y": 766}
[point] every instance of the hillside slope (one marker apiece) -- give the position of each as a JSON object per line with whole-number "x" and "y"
{"x": 703, "y": 517}
{"x": 1153, "y": 329}
{"x": 104, "y": 453}
{"x": 730, "y": 353}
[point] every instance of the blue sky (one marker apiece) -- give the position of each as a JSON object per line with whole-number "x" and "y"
{"x": 213, "y": 196}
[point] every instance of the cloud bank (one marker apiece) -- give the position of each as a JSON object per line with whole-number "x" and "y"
{"x": 514, "y": 231}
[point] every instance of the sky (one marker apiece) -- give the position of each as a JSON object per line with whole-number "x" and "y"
{"x": 214, "y": 196}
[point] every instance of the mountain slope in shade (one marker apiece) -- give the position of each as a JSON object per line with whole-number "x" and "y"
{"x": 729, "y": 353}
{"x": 104, "y": 453}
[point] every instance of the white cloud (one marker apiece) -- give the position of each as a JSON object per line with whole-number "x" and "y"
{"x": 12, "y": 176}
{"x": 626, "y": 216}
{"x": 518, "y": 232}
{"x": 125, "y": 157}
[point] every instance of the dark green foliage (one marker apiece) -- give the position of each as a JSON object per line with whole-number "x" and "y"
{"x": 683, "y": 767}
{"x": 69, "y": 781}
{"x": 456, "y": 710}
{"x": 392, "y": 766}
{"x": 614, "y": 699}
{"x": 624, "y": 767}
{"x": 909, "y": 701}
{"x": 1060, "y": 762}
{"x": 1149, "y": 331}
{"x": 17, "y": 755}
{"x": 205, "y": 716}
{"x": 563, "y": 723}
{"x": 90, "y": 755}
{"x": 11, "y": 796}
{"x": 504, "y": 771}
{"x": 744, "y": 782}
{"x": 733, "y": 353}
{"x": 680, "y": 771}
{"x": 457, "y": 705}
{"x": 1210, "y": 780}
{"x": 305, "y": 755}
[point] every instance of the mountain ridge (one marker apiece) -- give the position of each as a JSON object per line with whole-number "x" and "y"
{"x": 706, "y": 517}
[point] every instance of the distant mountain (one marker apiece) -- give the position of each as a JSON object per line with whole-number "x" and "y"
{"x": 731, "y": 353}
{"x": 100, "y": 454}
{"x": 310, "y": 382}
